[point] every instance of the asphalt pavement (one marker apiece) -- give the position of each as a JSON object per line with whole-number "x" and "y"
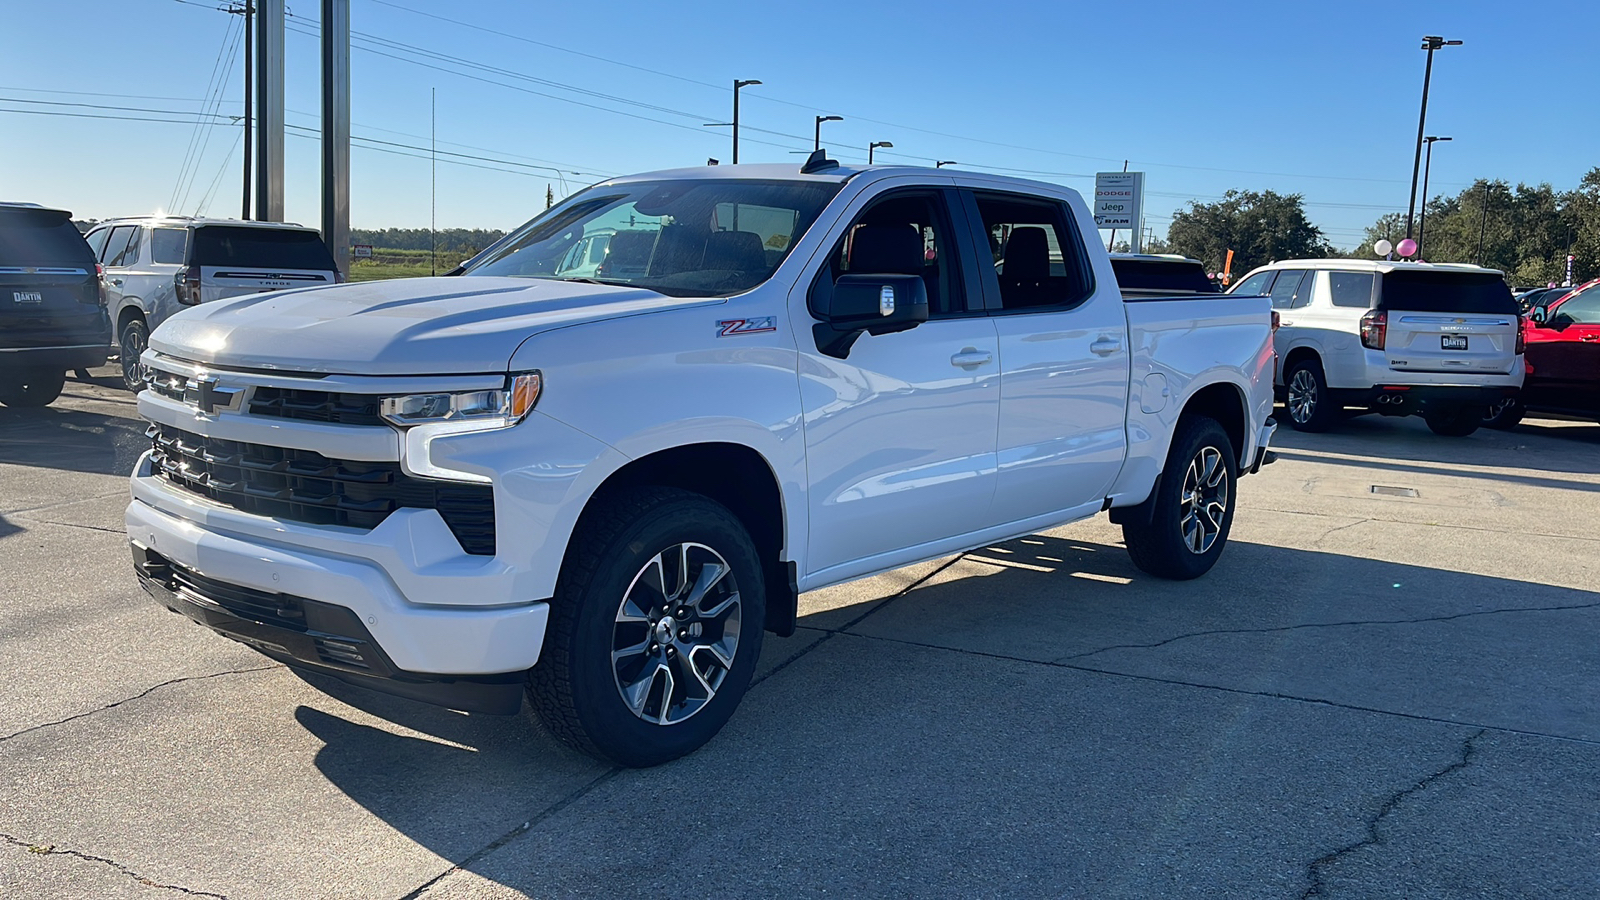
{"x": 1388, "y": 687}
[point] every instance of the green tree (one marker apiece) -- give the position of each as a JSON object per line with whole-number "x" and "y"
{"x": 1258, "y": 227}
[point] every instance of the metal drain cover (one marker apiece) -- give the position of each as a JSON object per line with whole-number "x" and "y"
{"x": 1391, "y": 491}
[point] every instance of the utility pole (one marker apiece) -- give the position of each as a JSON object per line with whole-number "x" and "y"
{"x": 433, "y": 176}
{"x": 336, "y": 131}
{"x": 737, "y": 84}
{"x": 249, "y": 12}
{"x": 1430, "y": 43}
{"x": 1483, "y": 221}
{"x": 1426, "y": 168}
{"x": 269, "y": 110}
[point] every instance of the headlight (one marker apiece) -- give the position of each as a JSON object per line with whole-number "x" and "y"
{"x": 424, "y": 417}
{"x": 498, "y": 408}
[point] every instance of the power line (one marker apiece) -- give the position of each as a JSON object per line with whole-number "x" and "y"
{"x": 194, "y": 134}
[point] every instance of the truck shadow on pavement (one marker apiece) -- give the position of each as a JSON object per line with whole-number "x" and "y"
{"x": 1064, "y": 704}
{"x": 71, "y": 439}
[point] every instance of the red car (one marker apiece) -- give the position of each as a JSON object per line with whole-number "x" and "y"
{"x": 1563, "y": 359}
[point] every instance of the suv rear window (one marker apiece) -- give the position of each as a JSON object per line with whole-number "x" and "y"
{"x": 1177, "y": 276}
{"x": 1447, "y": 292}
{"x": 42, "y": 237}
{"x": 259, "y": 248}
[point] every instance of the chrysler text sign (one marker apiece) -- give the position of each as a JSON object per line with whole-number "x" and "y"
{"x": 1118, "y": 199}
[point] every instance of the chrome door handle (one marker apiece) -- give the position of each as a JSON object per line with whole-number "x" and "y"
{"x": 115, "y": 281}
{"x": 970, "y": 357}
{"x": 1105, "y": 346}
{"x": 1282, "y": 322}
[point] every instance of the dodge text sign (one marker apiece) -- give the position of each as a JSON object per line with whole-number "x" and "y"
{"x": 1118, "y": 199}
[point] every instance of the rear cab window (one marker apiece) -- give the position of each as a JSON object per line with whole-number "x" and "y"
{"x": 42, "y": 237}
{"x": 246, "y": 247}
{"x": 1482, "y": 293}
{"x": 1034, "y": 252}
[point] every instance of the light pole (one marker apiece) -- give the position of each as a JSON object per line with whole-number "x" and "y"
{"x": 820, "y": 120}
{"x": 875, "y": 145}
{"x": 1483, "y": 220}
{"x": 736, "y": 85}
{"x": 1430, "y": 43}
{"x": 945, "y": 162}
{"x": 1423, "y": 221}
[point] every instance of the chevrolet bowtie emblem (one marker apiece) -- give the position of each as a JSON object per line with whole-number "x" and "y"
{"x": 207, "y": 397}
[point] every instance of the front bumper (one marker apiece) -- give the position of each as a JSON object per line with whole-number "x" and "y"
{"x": 320, "y": 637}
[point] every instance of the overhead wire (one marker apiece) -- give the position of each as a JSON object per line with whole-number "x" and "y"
{"x": 215, "y": 105}
{"x": 194, "y": 133}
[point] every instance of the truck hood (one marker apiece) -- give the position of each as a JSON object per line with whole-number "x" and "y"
{"x": 410, "y": 326}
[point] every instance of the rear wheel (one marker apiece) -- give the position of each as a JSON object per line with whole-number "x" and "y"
{"x": 654, "y": 629}
{"x": 31, "y": 387}
{"x": 1306, "y": 397}
{"x": 131, "y": 342}
{"x": 1504, "y": 415}
{"x": 1454, "y": 421}
{"x": 1194, "y": 504}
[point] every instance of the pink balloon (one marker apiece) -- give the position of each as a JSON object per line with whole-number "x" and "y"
{"x": 1407, "y": 247}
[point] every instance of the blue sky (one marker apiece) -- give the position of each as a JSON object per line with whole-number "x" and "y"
{"x": 1318, "y": 99}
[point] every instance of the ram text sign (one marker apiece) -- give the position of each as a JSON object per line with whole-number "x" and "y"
{"x": 1118, "y": 199}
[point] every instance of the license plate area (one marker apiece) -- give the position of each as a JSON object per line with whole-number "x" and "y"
{"x": 1453, "y": 341}
{"x": 28, "y": 298}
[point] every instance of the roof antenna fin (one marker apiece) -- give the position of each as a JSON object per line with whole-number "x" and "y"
{"x": 817, "y": 161}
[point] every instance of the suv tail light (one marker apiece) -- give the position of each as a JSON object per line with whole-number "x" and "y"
{"x": 100, "y": 283}
{"x": 1374, "y": 329}
{"x": 1522, "y": 335}
{"x": 187, "y": 283}
{"x": 1275, "y": 321}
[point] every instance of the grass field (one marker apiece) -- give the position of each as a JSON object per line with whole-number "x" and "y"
{"x": 401, "y": 264}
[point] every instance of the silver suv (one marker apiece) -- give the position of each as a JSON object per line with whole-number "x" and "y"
{"x": 155, "y": 266}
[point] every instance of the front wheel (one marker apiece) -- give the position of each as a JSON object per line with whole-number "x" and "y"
{"x": 131, "y": 342}
{"x": 31, "y": 387}
{"x": 1504, "y": 415}
{"x": 1194, "y": 503}
{"x": 654, "y": 629}
{"x": 1455, "y": 421}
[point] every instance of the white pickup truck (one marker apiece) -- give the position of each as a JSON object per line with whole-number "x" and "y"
{"x": 601, "y": 490}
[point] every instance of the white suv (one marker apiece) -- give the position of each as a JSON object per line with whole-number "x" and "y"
{"x": 155, "y": 266}
{"x": 1396, "y": 338}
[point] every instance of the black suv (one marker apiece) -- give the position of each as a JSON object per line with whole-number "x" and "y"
{"x": 52, "y": 310}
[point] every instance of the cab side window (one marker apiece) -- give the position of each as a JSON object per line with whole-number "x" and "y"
{"x": 1350, "y": 289}
{"x": 117, "y": 246}
{"x": 1582, "y": 309}
{"x": 1036, "y": 255}
{"x": 167, "y": 245}
{"x": 97, "y": 241}
{"x": 915, "y": 218}
{"x": 1291, "y": 290}
{"x": 1255, "y": 285}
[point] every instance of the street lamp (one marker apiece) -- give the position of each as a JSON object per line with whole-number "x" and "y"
{"x": 875, "y": 145}
{"x": 1430, "y": 43}
{"x": 945, "y": 162}
{"x": 1423, "y": 220}
{"x": 820, "y": 120}
{"x": 736, "y": 85}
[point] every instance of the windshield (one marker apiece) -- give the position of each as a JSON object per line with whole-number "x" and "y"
{"x": 686, "y": 238}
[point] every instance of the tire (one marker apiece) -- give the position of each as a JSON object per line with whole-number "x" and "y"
{"x": 614, "y": 704}
{"x": 1454, "y": 421}
{"x": 1306, "y": 399}
{"x": 31, "y": 388}
{"x": 135, "y": 336}
{"x": 1504, "y": 415}
{"x": 1183, "y": 538}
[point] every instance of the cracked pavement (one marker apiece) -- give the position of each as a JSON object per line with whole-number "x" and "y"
{"x": 1371, "y": 695}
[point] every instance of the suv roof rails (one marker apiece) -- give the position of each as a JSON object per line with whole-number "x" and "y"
{"x": 817, "y": 161}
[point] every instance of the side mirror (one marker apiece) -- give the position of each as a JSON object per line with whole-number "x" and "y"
{"x": 875, "y": 304}
{"x": 1538, "y": 315}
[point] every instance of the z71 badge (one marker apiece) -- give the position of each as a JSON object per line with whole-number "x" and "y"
{"x": 733, "y": 327}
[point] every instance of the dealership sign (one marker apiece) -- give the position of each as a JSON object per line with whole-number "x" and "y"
{"x": 1118, "y": 199}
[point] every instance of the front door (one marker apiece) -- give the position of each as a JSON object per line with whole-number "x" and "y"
{"x": 900, "y": 436}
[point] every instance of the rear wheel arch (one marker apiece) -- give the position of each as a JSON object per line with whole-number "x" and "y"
{"x": 1297, "y": 354}
{"x": 128, "y": 313}
{"x": 1222, "y": 402}
{"x": 738, "y": 477}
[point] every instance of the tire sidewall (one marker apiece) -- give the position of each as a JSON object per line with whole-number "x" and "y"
{"x": 31, "y": 388}
{"x": 133, "y": 326}
{"x": 1168, "y": 512}
{"x": 613, "y": 728}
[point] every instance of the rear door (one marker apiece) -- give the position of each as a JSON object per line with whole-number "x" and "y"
{"x": 1442, "y": 321}
{"x": 49, "y": 292}
{"x": 239, "y": 259}
{"x": 1564, "y": 355}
